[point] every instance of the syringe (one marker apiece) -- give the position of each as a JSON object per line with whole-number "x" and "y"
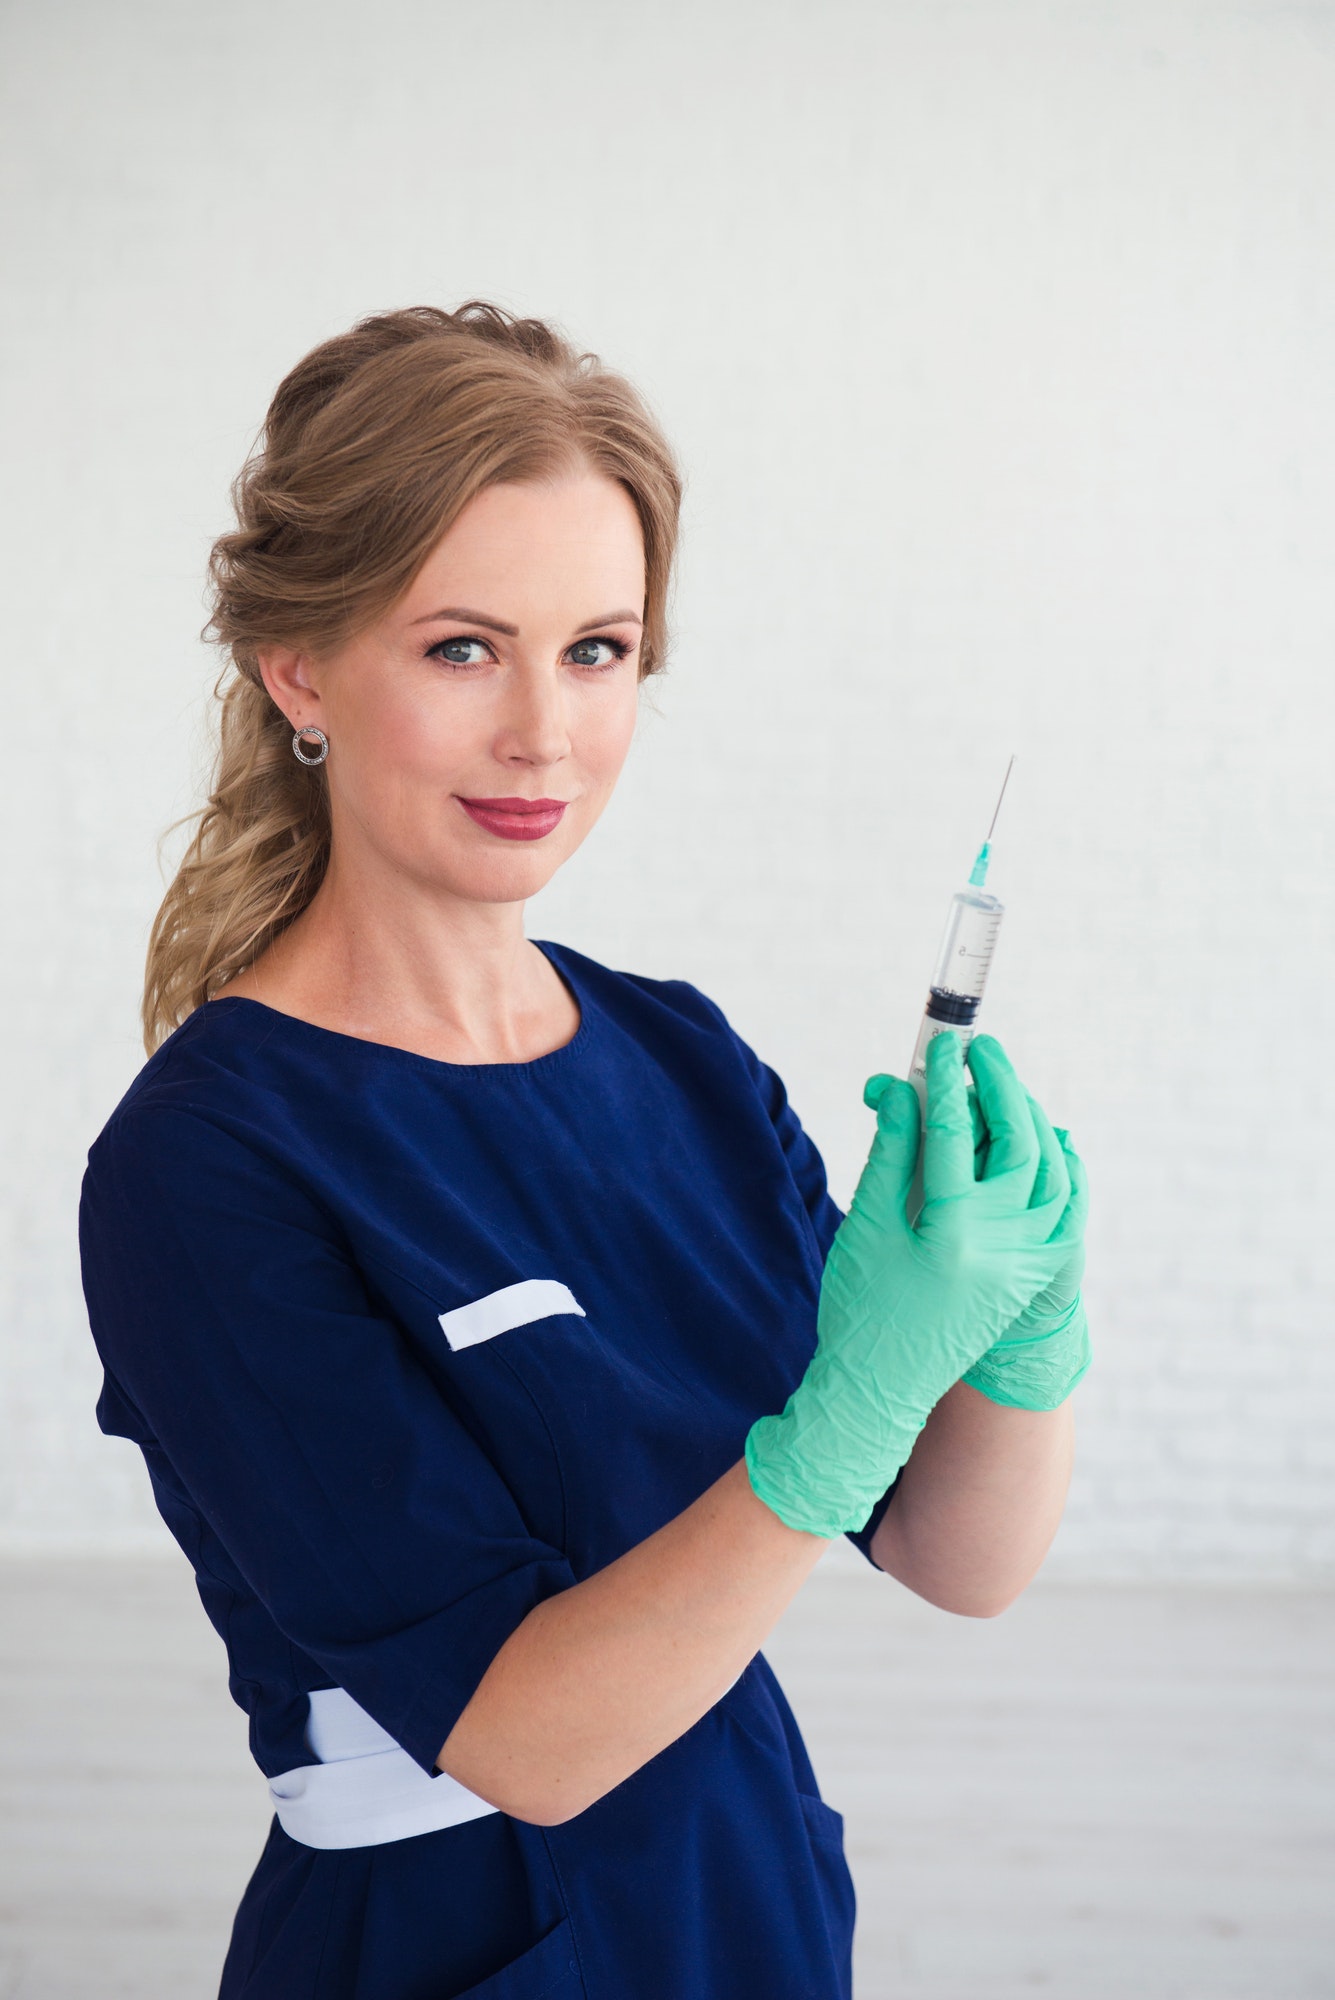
{"x": 962, "y": 964}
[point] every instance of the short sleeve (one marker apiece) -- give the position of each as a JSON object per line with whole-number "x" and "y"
{"x": 311, "y": 1437}
{"x": 804, "y": 1161}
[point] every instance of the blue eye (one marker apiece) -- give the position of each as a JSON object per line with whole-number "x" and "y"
{"x": 462, "y": 652}
{"x": 597, "y": 652}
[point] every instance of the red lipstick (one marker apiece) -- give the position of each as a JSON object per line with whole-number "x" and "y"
{"x": 516, "y": 819}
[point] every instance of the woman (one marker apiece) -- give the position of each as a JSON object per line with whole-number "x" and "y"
{"x": 463, "y": 1295}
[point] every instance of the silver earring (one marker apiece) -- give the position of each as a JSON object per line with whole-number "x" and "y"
{"x": 321, "y": 739}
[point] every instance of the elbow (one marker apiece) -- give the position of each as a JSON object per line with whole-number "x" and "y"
{"x": 983, "y": 1605}
{"x": 545, "y": 1808}
{"x": 981, "y": 1598}
{"x": 520, "y": 1775}
{"x": 554, "y": 1812}
{"x": 972, "y": 1599}
{"x": 535, "y": 1804}
{"x": 965, "y": 1589}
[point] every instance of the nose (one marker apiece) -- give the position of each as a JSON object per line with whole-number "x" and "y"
{"x": 535, "y": 728}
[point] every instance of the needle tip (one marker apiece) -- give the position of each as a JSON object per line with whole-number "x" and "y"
{"x": 1000, "y": 796}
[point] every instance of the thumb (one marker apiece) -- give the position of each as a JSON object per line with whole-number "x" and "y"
{"x": 875, "y": 1088}
{"x": 894, "y": 1149}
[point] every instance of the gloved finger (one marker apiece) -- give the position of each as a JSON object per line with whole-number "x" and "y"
{"x": 1014, "y": 1147}
{"x": 947, "y": 1147}
{"x": 981, "y": 1137}
{"x": 894, "y": 1146}
{"x": 1052, "y": 1182}
{"x": 1071, "y": 1228}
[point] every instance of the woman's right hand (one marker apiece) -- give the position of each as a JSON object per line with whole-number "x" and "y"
{"x": 907, "y": 1307}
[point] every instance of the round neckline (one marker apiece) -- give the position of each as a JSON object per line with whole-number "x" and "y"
{"x": 552, "y": 953}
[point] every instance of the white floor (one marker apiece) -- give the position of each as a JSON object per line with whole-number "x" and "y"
{"x": 1113, "y": 1794}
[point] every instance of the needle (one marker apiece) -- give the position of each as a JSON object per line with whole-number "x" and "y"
{"x": 1000, "y": 796}
{"x": 978, "y": 874}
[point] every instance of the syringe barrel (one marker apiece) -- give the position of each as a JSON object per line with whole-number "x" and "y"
{"x": 960, "y": 978}
{"x": 965, "y": 957}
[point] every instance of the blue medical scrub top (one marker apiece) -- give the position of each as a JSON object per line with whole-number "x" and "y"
{"x": 273, "y": 1222}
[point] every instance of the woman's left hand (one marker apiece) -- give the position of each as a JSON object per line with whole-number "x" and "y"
{"x": 1043, "y": 1355}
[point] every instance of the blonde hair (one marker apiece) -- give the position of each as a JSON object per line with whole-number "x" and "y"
{"x": 372, "y": 447}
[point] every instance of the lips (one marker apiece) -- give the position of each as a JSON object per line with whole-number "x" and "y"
{"x": 516, "y": 819}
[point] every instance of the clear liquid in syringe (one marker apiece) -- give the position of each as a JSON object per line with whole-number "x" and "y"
{"x": 973, "y": 924}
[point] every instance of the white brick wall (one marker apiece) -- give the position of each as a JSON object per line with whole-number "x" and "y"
{"x": 997, "y": 343}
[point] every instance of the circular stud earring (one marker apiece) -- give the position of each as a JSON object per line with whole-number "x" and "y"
{"x": 322, "y": 741}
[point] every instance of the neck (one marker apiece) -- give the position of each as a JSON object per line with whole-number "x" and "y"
{"x": 390, "y": 961}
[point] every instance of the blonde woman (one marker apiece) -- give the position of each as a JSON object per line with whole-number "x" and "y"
{"x": 499, "y": 1359}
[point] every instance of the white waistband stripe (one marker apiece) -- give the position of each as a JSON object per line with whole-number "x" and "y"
{"x": 513, "y": 1305}
{"x": 365, "y": 1790}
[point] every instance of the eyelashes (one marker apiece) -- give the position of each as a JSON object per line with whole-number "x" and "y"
{"x": 438, "y": 651}
{"x": 459, "y": 642}
{"x": 618, "y": 648}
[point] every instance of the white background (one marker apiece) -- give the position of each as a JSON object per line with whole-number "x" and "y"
{"x": 998, "y": 342}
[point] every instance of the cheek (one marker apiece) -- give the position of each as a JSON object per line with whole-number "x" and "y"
{"x": 406, "y": 740}
{"x": 389, "y": 748}
{"x": 608, "y": 732}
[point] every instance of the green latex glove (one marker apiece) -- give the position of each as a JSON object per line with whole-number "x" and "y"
{"x": 906, "y": 1309}
{"x": 1038, "y": 1361}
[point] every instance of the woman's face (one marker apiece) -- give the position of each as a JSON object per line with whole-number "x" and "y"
{"x": 476, "y": 732}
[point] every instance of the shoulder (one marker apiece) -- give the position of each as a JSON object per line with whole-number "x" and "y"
{"x": 672, "y": 1020}
{"x": 691, "y": 1037}
{"x": 212, "y": 1090}
{"x": 633, "y": 995}
{"x": 201, "y": 1173}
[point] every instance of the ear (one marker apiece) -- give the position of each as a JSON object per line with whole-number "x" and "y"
{"x": 286, "y": 674}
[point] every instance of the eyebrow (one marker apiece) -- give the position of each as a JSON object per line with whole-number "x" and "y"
{"x": 463, "y": 616}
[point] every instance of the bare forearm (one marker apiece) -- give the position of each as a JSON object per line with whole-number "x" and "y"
{"x": 599, "y": 1679}
{"x": 978, "y": 1504}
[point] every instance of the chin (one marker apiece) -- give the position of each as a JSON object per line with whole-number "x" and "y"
{"x": 504, "y": 878}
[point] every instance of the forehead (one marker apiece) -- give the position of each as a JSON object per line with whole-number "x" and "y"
{"x": 564, "y": 539}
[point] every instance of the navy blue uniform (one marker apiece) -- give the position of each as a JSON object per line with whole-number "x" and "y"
{"x": 409, "y": 1346}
